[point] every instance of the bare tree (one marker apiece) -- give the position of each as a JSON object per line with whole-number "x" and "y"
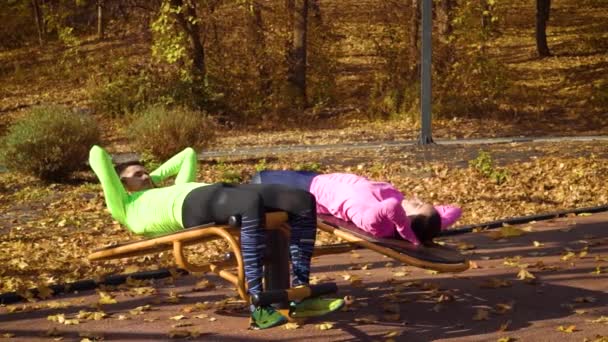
{"x": 444, "y": 19}
{"x": 543, "y": 8}
{"x": 414, "y": 24}
{"x": 297, "y": 55}
{"x": 39, "y": 21}
{"x": 187, "y": 19}
{"x": 100, "y": 20}
{"x": 259, "y": 49}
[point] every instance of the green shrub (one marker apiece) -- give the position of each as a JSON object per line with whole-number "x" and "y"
{"x": 484, "y": 164}
{"x": 49, "y": 143}
{"x": 163, "y": 132}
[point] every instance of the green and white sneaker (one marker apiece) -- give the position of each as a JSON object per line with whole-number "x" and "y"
{"x": 313, "y": 307}
{"x": 264, "y": 317}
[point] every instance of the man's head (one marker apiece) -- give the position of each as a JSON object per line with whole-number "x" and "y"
{"x": 425, "y": 220}
{"x": 134, "y": 176}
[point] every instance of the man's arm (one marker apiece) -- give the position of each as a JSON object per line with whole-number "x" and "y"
{"x": 113, "y": 190}
{"x": 182, "y": 164}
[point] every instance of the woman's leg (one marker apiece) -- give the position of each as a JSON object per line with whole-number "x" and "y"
{"x": 294, "y": 179}
{"x": 300, "y": 206}
{"x": 216, "y": 203}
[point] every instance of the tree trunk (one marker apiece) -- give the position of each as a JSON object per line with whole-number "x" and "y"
{"x": 414, "y": 24}
{"x": 39, "y": 21}
{"x": 485, "y": 15}
{"x": 444, "y": 18}
{"x": 100, "y": 20}
{"x": 543, "y": 8}
{"x": 259, "y": 49}
{"x": 316, "y": 11}
{"x": 186, "y": 18}
{"x": 297, "y": 66}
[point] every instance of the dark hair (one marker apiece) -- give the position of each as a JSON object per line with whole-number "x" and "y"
{"x": 426, "y": 227}
{"x": 122, "y": 166}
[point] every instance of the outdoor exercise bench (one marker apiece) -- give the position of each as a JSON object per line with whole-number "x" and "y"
{"x": 431, "y": 256}
{"x": 276, "y": 270}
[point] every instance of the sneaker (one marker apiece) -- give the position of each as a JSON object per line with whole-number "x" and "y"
{"x": 264, "y": 317}
{"x": 313, "y": 307}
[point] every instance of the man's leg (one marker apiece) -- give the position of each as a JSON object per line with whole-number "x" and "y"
{"x": 300, "y": 206}
{"x": 216, "y": 203}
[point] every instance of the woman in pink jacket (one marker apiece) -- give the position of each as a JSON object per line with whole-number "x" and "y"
{"x": 376, "y": 207}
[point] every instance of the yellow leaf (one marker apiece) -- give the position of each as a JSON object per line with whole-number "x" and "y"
{"x": 524, "y": 274}
{"x": 506, "y": 339}
{"x": 602, "y": 319}
{"x": 538, "y": 244}
{"x": 324, "y": 326}
{"x": 494, "y": 283}
{"x": 105, "y": 298}
{"x": 54, "y": 332}
{"x": 371, "y": 319}
{"x": 131, "y": 269}
{"x": 392, "y": 334}
{"x": 584, "y": 214}
{"x": 569, "y": 329}
{"x": 203, "y": 285}
{"x": 506, "y": 232}
{"x": 8, "y": 335}
{"x": 44, "y": 291}
{"x": 291, "y": 326}
{"x": 481, "y": 315}
{"x": 179, "y": 333}
{"x": 178, "y": 317}
{"x": 587, "y": 299}
{"x": 92, "y": 336}
{"x": 139, "y": 310}
{"x": 504, "y": 326}
{"x": 502, "y": 308}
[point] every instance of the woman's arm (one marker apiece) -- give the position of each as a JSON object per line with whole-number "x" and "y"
{"x": 182, "y": 164}
{"x": 113, "y": 190}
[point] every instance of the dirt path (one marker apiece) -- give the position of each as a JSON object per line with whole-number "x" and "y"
{"x": 392, "y": 303}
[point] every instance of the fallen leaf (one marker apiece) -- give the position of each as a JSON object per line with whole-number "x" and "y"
{"x": 53, "y": 332}
{"x": 139, "y": 310}
{"x": 179, "y": 333}
{"x": 569, "y": 329}
{"x": 504, "y": 326}
{"x": 586, "y": 299}
{"x": 44, "y": 291}
{"x": 370, "y": 319}
{"x": 506, "y": 339}
{"x": 178, "y": 317}
{"x": 524, "y": 274}
{"x": 92, "y": 336}
{"x": 494, "y": 283}
{"x": 602, "y": 319}
{"x": 481, "y": 315}
{"x": 325, "y": 326}
{"x": 291, "y": 326}
{"x": 203, "y": 285}
{"x": 105, "y": 298}
{"x": 537, "y": 244}
{"x": 503, "y": 308}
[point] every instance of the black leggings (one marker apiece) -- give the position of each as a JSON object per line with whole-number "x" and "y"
{"x": 217, "y": 202}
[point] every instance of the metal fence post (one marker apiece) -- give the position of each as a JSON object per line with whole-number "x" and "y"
{"x": 426, "y": 9}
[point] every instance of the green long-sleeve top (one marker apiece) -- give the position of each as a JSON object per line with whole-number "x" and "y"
{"x": 149, "y": 212}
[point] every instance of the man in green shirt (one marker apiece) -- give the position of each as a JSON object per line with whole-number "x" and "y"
{"x": 135, "y": 200}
